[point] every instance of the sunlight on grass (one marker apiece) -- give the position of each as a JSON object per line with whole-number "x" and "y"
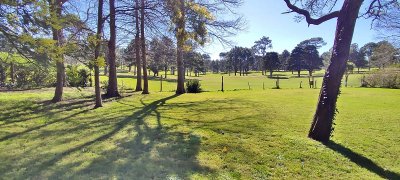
{"x": 243, "y": 134}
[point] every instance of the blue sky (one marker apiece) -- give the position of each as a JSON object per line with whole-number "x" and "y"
{"x": 265, "y": 18}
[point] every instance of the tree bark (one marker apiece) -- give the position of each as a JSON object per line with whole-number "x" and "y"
{"x": 180, "y": 36}
{"x": 298, "y": 73}
{"x": 143, "y": 43}
{"x": 137, "y": 50}
{"x": 97, "y": 91}
{"x": 56, "y": 8}
{"x": 165, "y": 73}
{"x": 321, "y": 127}
{"x": 112, "y": 88}
{"x": 2, "y": 73}
{"x": 12, "y": 72}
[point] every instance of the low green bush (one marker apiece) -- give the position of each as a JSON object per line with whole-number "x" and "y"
{"x": 193, "y": 86}
{"x": 77, "y": 77}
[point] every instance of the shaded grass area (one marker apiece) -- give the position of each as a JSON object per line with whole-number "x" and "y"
{"x": 232, "y": 135}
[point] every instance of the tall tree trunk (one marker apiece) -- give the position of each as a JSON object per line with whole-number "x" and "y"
{"x": 270, "y": 73}
{"x": 165, "y": 73}
{"x": 298, "y": 73}
{"x": 112, "y": 89}
{"x": 180, "y": 36}
{"x": 12, "y": 72}
{"x": 137, "y": 50}
{"x": 2, "y": 73}
{"x": 98, "y": 99}
{"x": 143, "y": 43}
{"x": 321, "y": 127}
{"x": 56, "y": 8}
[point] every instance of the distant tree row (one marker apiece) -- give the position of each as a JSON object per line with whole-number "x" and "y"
{"x": 305, "y": 56}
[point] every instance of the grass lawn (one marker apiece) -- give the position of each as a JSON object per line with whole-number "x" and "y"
{"x": 236, "y": 134}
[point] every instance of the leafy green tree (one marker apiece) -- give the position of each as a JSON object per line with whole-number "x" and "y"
{"x": 311, "y": 59}
{"x": 357, "y": 57}
{"x": 239, "y": 59}
{"x": 192, "y": 21}
{"x": 284, "y": 58}
{"x": 271, "y": 60}
{"x": 295, "y": 62}
{"x": 318, "y": 42}
{"x": 260, "y": 49}
{"x": 260, "y": 46}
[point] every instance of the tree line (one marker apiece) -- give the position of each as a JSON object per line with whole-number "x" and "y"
{"x": 46, "y": 33}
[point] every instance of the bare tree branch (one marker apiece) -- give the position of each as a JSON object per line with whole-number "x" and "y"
{"x": 307, "y": 14}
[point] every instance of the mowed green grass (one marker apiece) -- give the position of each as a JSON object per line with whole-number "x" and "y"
{"x": 212, "y": 81}
{"x": 236, "y": 134}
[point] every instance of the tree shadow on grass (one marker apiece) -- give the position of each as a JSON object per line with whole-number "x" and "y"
{"x": 362, "y": 161}
{"x": 151, "y": 152}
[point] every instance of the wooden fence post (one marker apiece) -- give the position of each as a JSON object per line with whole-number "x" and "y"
{"x": 222, "y": 84}
{"x": 161, "y": 83}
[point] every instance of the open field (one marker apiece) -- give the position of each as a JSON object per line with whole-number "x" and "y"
{"x": 212, "y": 82}
{"x": 236, "y": 134}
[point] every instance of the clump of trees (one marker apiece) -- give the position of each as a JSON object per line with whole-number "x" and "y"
{"x": 78, "y": 33}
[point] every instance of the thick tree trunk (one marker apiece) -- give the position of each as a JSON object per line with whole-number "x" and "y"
{"x": 180, "y": 89}
{"x": 298, "y": 73}
{"x": 60, "y": 82}
{"x": 321, "y": 127}
{"x": 97, "y": 90}
{"x": 112, "y": 89}
{"x": 143, "y": 43}
{"x": 270, "y": 73}
{"x": 58, "y": 37}
{"x": 137, "y": 50}
{"x": 180, "y": 36}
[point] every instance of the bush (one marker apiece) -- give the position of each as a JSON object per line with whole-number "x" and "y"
{"x": 33, "y": 76}
{"x": 193, "y": 86}
{"x": 104, "y": 85}
{"x": 389, "y": 78}
{"x": 77, "y": 77}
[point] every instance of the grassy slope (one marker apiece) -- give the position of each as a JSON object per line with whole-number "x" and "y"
{"x": 243, "y": 134}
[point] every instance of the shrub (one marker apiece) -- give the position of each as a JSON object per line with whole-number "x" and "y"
{"x": 34, "y": 76}
{"x": 77, "y": 77}
{"x": 389, "y": 78}
{"x": 193, "y": 86}
{"x": 104, "y": 85}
